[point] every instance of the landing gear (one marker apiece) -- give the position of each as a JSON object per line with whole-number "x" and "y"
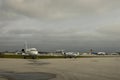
{"x": 29, "y": 57}
{"x": 34, "y": 57}
{"x": 24, "y": 57}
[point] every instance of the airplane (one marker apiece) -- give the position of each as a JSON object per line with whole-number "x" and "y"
{"x": 69, "y": 54}
{"x": 101, "y": 53}
{"x": 29, "y": 52}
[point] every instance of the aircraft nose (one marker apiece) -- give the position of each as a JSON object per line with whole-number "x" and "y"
{"x": 36, "y": 52}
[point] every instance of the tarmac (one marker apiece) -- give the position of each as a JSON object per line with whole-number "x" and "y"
{"x": 60, "y": 69}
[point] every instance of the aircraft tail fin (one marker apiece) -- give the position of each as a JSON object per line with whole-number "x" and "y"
{"x": 26, "y": 47}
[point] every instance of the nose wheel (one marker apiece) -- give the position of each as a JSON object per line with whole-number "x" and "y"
{"x": 24, "y": 57}
{"x": 34, "y": 57}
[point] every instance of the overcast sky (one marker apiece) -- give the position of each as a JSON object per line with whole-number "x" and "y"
{"x": 49, "y": 25}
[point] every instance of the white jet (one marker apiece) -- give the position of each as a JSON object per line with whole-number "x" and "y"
{"x": 101, "y": 53}
{"x": 29, "y": 52}
{"x": 70, "y": 54}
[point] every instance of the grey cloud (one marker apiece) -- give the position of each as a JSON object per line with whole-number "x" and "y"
{"x": 111, "y": 32}
{"x": 59, "y": 8}
{"x": 68, "y": 24}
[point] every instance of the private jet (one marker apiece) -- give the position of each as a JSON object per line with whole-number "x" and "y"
{"x": 29, "y": 52}
{"x": 70, "y": 54}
